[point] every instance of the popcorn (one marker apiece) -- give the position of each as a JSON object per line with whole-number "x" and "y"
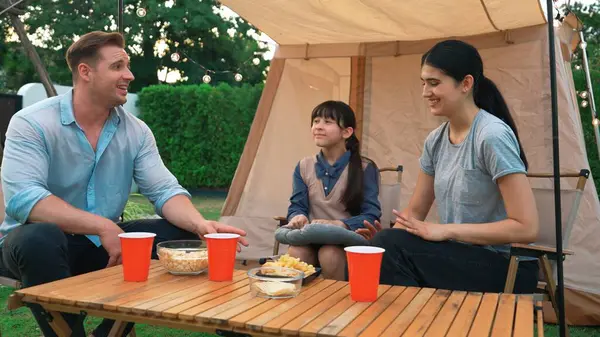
{"x": 183, "y": 260}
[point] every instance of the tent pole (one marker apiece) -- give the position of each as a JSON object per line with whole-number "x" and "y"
{"x": 590, "y": 91}
{"x": 120, "y": 17}
{"x": 556, "y": 162}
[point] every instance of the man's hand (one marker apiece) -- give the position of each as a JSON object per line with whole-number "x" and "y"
{"x": 297, "y": 222}
{"x": 210, "y": 227}
{"x": 369, "y": 231}
{"x": 425, "y": 230}
{"x": 109, "y": 237}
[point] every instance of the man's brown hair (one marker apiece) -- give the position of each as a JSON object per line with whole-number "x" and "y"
{"x": 86, "y": 48}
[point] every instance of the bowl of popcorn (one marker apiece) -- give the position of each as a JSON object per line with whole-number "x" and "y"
{"x": 275, "y": 282}
{"x": 183, "y": 257}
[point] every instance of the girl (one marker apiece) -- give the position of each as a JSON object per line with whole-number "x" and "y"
{"x": 475, "y": 168}
{"x": 337, "y": 186}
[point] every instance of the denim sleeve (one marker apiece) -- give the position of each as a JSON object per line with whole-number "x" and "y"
{"x": 299, "y": 198}
{"x": 151, "y": 175}
{"x": 24, "y": 168}
{"x": 371, "y": 208}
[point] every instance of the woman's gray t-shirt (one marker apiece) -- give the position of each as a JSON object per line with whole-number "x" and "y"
{"x": 465, "y": 174}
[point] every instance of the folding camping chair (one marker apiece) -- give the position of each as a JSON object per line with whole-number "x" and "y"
{"x": 544, "y": 247}
{"x": 389, "y": 198}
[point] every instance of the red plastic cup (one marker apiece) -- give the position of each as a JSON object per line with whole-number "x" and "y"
{"x": 222, "y": 248}
{"x": 136, "y": 251}
{"x": 364, "y": 265}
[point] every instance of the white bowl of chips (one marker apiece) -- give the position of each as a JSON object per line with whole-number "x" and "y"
{"x": 183, "y": 257}
{"x": 275, "y": 282}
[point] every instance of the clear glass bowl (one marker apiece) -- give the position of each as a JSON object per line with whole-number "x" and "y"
{"x": 275, "y": 282}
{"x": 183, "y": 257}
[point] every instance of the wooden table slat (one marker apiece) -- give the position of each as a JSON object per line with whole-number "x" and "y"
{"x": 276, "y": 322}
{"x": 95, "y": 296}
{"x": 315, "y": 326}
{"x": 466, "y": 314}
{"x": 224, "y": 316}
{"x": 484, "y": 318}
{"x": 192, "y": 287}
{"x": 293, "y": 327}
{"x": 275, "y": 306}
{"x": 503, "y": 323}
{"x": 361, "y": 321}
{"x": 64, "y": 294}
{"x": 71, "y": 281}
{"x": 524, "y": 317}
{"x": 187, "y": 295}
{"x": 216, "y": 291}
{"x": 445, "y": 317}
{"x": 424, "y": 319}
{"x": 384, "y": 320}
{"x": 401, "y": 323}
{"x": 190, "y": 314}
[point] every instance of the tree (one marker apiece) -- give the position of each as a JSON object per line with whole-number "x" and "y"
{"x": 194, "y": 29}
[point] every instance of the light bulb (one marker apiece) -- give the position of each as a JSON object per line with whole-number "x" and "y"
{"x": 175, "y": 57}
{"x": 206, "y": 78}
{"x": 583, "y": 45}
{"x": 583, "y": 94}
{"x": 584, "y": 104}
{"x": 256, "y": 61}
{"x": 238, "y": 77}
{"x": 578, "y": 67}
{"x": 596, "y": 121}
{"x": 141, "y": 12}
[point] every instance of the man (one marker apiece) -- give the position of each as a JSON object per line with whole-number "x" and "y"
{"x": 66, "y": 175}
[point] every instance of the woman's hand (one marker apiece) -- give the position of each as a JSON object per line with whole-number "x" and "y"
{"x": 370, "y": 230}
{"x": 425, "y": 230}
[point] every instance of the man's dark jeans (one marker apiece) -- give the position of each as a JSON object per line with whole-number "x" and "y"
{"x": 39, "y": 253}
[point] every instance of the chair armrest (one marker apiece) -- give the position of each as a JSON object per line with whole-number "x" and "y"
{"x": 282, "y": 220}
{"x": 539, "y": 248}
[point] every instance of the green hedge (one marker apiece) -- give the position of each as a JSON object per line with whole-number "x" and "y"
{"x": 200, "y": 130}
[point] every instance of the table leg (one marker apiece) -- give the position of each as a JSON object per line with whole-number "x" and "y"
{"x": 118, "y": 329}
{"x": 59, "y": 325}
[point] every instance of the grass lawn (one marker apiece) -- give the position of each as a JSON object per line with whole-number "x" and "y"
{"x": 20, "y": 323}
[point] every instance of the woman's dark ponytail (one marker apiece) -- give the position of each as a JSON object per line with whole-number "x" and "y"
{"x": 488, "y": 97}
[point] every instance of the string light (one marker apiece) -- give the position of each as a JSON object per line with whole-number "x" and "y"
{"x": 256, "y": 61}
{"x": 206, "y": 78}
{"x": 584, "y": 104}
{"x": 583, "y": 45}
{"x": 175, "y": 57}
{"x": 238, "y": 77}
{"x": 583, "y": 94}
{"x": 596, "y": 121}
{"x": 578, "y": 67}
{"x": 141, "y": 12}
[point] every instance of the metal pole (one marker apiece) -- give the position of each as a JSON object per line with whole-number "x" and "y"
{"x": 590, "y": 91}
{"x": 120, "y": 22}
{"x": 555, "y": 153}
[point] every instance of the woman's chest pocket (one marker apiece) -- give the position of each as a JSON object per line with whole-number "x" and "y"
{"x": 471, "y": 186}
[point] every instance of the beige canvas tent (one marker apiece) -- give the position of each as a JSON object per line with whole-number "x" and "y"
{"x": 367, "y": 53}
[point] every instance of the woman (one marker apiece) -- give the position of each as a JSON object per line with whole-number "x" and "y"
{"x": 336, "y": 186}
{"x": 474, "y": 167}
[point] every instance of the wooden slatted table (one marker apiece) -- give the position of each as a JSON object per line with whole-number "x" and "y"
{"x": 323, "y": 308}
